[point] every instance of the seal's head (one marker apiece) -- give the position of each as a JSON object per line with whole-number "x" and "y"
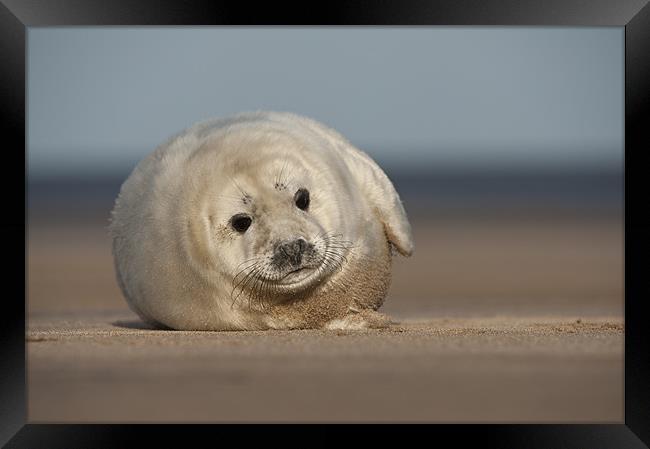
{"x": 256, "y": 221}
{"x": 275, "y": 221}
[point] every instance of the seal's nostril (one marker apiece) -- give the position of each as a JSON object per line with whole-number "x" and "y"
{"x": 302, "y": 245}
{"x": 285, "y": 250}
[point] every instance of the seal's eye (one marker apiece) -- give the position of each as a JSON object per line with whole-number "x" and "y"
{"x": 301, "y": 198}
{"x": 240, "y": 222}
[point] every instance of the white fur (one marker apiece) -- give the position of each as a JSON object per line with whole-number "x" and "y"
{"x": 175, "y": 254}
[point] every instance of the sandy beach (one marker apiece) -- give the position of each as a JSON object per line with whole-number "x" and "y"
{"x": 496, "y": 321}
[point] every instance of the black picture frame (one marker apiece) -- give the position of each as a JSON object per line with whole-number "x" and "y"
{"x": 17, "y": 15}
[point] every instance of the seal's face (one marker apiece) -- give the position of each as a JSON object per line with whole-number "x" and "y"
{"x": 275, "y": 227}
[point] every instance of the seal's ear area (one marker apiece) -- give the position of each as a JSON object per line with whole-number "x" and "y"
{"x": 372, "y": 181}
{"x": 382, "y": 195}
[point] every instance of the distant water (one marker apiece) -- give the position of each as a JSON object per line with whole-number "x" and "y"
{"x": 590, "y": 192}
{"x": 423, "y": 193}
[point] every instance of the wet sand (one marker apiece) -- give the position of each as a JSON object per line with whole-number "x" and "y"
{"x": 498, "y": 321}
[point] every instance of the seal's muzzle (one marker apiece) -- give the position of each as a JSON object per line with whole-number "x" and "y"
{"x": 291, "y": 252}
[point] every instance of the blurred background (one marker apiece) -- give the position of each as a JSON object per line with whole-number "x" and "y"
{"x": 505, "y": 144}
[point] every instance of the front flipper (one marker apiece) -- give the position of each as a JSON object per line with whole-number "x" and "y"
{"x": 357, "y": 320}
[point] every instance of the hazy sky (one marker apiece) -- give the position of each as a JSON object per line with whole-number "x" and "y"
{"x": 100, "y": 99}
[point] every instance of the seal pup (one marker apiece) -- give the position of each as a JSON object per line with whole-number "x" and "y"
{"x": 262, "y": 220}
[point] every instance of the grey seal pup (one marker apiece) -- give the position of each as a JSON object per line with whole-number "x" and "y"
{"x": 262, "y": 220}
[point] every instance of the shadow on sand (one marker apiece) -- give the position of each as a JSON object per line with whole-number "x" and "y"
{"x": 136, "y": 324}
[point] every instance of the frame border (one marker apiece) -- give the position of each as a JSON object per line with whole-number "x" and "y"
{"x": 16, "y": 16}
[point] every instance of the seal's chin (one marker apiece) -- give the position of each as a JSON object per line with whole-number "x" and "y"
{"x": 301, "y": 279}
{"x": 298, "y": 276}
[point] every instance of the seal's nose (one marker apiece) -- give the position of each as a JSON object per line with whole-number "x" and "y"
{"x": 292, "y": 250}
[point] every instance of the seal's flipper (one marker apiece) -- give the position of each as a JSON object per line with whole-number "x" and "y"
{"x": 374, "y": 183}
{"x": 365, "y": 319}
